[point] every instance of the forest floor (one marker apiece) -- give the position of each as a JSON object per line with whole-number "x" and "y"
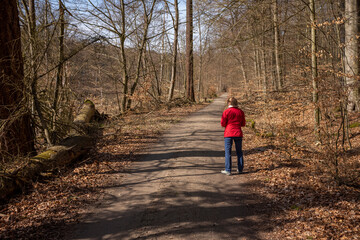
{"x": 291, "y": 177}
{"x": 313, "y": 187}
{"x": 59, "y": 198}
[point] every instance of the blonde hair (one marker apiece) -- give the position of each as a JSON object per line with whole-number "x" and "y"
{"x": 233, "y": 101}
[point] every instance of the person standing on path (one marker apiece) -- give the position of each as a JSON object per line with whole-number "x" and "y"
{"x": 233, "y": 118}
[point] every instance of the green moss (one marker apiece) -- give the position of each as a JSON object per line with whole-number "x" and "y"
{"x": 87, "y": 101}
{"x": 252, "y": 123}
{"x": 354, "y": 125}
{"x": 268, "y": 135}
{"x": 44, "y": 155}
{"x": 296, "y": 208}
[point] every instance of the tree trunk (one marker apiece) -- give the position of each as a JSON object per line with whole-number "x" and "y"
{"x": 59, "y": 74}
{"x": 352, "y": 54}
{"x": 162, "y": 57}
{"x": 125, "y": 76}
{"x": 282, "y": 39}
{"x": 263, "y": 63}
{"x": 278, "y": 77}
{"x": 256, "y": 71}
{"x": 314, "y": 69}
{"x": 16, "y": 136}
{"x": 264, "y": 70}
{"x": 200, "y": 57}
{"x": 175, "y": 51}
{"x": 242, "y": 66}
{"x": 190, "y": 95}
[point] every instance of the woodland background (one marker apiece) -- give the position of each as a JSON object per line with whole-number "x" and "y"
{"x": 293, "y": 64}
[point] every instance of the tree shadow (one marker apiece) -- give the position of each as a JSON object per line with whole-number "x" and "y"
{"x": 353, "y": 152}
{"x": 168, "y": 214}
{"x": 163, "y": 156}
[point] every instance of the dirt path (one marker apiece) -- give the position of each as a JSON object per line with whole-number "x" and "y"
{"x": 176, "y": 191}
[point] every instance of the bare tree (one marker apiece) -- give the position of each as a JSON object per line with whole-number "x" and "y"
{"x": 189, "y": 52}
{"x": 30, "y": 17}
{"x": 175, "y": 49}
{"x": 148, "y": 14}
{"x": 352, "y": 54}
{"x": 314, "y": 68}
{"x": 278, "y": 76}
{"x": 60, "y": 68}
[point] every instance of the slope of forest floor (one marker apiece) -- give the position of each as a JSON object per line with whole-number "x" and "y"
{"x": 59, "y": 198}
{"x": 298, "y": 173}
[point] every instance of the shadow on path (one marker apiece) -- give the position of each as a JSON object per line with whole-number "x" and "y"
{"x": 176, "y": 191}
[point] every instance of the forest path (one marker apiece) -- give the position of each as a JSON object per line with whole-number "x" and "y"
{"x": 176, "y": 190}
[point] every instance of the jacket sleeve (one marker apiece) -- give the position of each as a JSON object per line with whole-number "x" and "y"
{"x": 223, "y": 120}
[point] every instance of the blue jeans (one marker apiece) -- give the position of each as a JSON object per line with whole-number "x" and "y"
{"x": 239, "y": 153}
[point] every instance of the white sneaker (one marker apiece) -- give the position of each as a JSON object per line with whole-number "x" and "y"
{"x": 225, "y": 172}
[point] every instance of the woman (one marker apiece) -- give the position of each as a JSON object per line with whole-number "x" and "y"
{"x": 233, "y": 118}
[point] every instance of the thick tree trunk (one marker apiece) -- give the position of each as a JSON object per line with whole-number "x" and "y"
{"x": 16, "y": 136}
{"x": 352, "y": 54}
{"x": 190, "y": 95}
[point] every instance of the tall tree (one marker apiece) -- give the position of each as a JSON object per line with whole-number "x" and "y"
{"x": 352, "y": 54}
{"x": 123, "y": 60}
{"x": 60, "y": 68}
{"x": 148, "y": 14}
{"x": 263, "y": 55}
{"x": 314, "y": 68}
{"x": 30, "y": 17}
{"x": 175, "y": 49}
{"x": 15, "y": 130}
{"x": 278, "y": 76}
{"x": 190, "y": 94}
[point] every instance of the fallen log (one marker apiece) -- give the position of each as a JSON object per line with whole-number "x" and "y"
{"x": 86, "y": 113}
{"x": 77, "y": 144}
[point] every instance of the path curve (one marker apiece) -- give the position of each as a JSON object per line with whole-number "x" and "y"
{"x": 176, "y": 191}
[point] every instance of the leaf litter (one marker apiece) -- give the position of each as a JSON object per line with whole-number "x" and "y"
{"x": 58, "y": 199}
{"x": 293, "y": 173}
{"x": 297, "y": 175}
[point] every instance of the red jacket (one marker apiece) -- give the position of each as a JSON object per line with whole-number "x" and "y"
{"x": 233, "y": 119}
